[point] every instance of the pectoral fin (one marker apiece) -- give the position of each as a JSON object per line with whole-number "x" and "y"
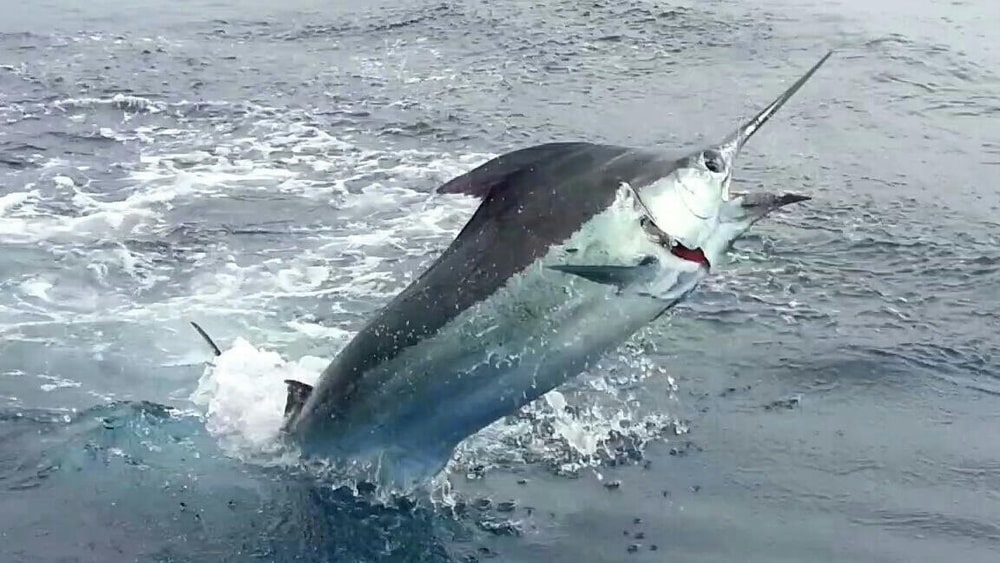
{"x": 618, "y": 276}
{"x": 298, "y": 392}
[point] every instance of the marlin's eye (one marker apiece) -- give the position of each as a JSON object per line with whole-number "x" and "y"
{"x": 713, "y": 161}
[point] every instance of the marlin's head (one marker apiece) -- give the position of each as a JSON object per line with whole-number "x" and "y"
{"x": 692, "y": 206}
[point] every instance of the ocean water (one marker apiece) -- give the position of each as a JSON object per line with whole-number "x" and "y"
{"x": 267, "y": 170}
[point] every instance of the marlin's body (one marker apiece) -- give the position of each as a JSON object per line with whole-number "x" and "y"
{"x": 491, "y": 325}
{"x": 574, "y": 248}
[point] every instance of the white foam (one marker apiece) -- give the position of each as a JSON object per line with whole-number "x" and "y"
{"x": 56, "y": 383}
{"x": 577, "y": 436}
{"x": 118, "y": 101}
{"x": 14, "y": 200}
{"x": 36, "y": 287}
{"x": 317, "y": 332}
{"x": 243, "y": 395}
{"x": 64, "y": 181}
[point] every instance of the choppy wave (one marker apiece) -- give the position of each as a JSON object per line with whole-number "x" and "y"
{"x": 272, "y": 179}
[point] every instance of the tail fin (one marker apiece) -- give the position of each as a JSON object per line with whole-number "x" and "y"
{"x": 207, "y": 338}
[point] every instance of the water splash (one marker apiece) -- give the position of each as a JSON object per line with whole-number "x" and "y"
{"x": 591, "y": 422}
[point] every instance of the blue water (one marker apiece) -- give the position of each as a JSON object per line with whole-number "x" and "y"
{"x": 266, "y": 170}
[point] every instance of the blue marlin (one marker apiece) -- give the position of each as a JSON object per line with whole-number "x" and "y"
{"x": 574, "y": 248}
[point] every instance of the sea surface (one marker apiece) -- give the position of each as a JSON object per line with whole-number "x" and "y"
{"x": 267, "y": 169}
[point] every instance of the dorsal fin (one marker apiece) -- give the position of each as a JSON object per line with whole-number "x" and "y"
{"x": 298, "y": 392}
{"x": 480, "y": 181}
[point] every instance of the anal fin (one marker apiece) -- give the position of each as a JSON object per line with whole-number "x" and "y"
{"x": 618, "y": 276}
{"x": 298, "y": 393}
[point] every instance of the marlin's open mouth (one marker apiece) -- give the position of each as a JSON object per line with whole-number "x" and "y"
{"x": 691, "y": 255}
{"x": 695, "y": 255}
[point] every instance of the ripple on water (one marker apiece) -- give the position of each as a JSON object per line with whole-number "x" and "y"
{"x": 143, "y": 481}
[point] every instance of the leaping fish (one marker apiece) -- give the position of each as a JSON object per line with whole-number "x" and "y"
{"x": 574, "y": 248}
